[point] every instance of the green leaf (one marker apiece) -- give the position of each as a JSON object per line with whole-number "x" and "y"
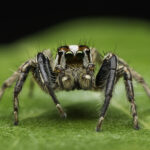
{"x": 40, "y": 125}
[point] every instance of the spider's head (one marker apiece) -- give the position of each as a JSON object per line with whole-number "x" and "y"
{"x": 75, "y": 54}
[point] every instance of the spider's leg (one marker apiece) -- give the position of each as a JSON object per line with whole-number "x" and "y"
{"x": 97, "y": 58}
{"x": 109, "y": 69}
{"x": 102, "y": 75}
{"x": 8, "y": 83}
{"x": 24, "y": 70}
{"x": 130, "y": 95}
{"x": 140, "y": 80}
{"x": 46, "y": 73}
{"x": 136, "y": 76}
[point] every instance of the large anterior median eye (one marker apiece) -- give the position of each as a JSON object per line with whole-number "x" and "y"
{"x": 69, "y": 55}
{"x": 80, "y": 54}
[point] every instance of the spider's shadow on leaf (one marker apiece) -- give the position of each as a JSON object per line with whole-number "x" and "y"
{"x": 81, "y": 112}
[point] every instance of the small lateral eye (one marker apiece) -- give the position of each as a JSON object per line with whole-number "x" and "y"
{"x": 60, "y": 53}
{"x": 87, "y": 51}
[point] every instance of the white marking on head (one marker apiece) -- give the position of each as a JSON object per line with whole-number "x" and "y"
{"x": 74, "y": 48}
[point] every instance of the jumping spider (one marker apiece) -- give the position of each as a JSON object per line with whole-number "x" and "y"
{"x": 72, "y": 69}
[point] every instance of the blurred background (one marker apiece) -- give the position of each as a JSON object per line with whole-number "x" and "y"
{"x": 14, "y": 27}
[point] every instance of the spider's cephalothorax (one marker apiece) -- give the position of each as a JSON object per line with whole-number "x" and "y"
{"x": 73, "y": 68}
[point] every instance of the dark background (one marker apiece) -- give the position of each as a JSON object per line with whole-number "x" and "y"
{"x": 13, "y": 27}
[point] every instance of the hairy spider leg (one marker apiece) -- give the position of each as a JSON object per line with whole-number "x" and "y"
{"x": 130, "y": 95}
{"x": 140, "y": 80}
{"x": 137, "y": 77}
{"x": 109, "y": 69}
{"x": 96, "y": 56}
{"x": 124, "y": 71}
{"x": 21, "y": 79}
{"x": 46, "y": 73}
{"x": 9, "y": 82}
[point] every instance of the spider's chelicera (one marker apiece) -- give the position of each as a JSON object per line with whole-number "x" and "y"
{"x": 72, "y": 69}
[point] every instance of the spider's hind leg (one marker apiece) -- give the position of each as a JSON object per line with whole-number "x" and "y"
{"x": 8, "y": 83}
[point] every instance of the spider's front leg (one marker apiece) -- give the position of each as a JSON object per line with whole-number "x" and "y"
{"x": 45, "y": 70}
{"x": 106, "y": 77}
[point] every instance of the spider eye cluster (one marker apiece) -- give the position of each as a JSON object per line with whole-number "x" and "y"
{"x": 79, "y": 55}
{"x": 74, "y": 53}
